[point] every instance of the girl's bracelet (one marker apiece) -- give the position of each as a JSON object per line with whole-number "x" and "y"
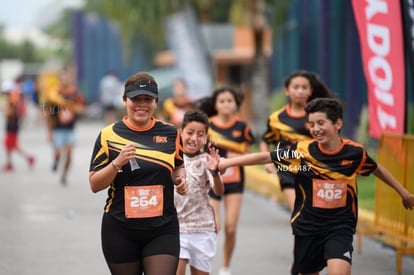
{"x": 214, "y": 172}
{"x": 116, "y": 166}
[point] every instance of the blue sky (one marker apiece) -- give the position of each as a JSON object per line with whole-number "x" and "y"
{"x": 32, "y": 13}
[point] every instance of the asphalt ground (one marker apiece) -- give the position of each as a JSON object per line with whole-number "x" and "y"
{"x": 47, "y": 228}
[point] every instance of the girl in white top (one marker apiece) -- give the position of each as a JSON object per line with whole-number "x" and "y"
{"x": 198, "y": 233}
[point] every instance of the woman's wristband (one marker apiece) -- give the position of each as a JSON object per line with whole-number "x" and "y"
{"x": 117, "y": 167}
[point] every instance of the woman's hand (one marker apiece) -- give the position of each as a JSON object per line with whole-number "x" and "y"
{"x": 126, "y": 154}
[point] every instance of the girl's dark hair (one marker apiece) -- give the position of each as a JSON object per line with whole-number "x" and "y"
{"x": 332, "y": 107}
{"x": 319, "y": 88}
{"x": 197, "y": 116}
{"x": 207, "y": 104}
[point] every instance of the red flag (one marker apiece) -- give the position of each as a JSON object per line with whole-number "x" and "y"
{"x": 379, "y": 26}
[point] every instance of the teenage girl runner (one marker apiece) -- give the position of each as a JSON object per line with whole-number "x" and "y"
{"x": 287, "y": 125}
{"x": 232, "y": 136}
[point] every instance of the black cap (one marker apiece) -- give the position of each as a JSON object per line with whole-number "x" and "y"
{"x": 141, "y": 88}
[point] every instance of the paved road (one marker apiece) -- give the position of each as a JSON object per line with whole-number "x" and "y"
{"x": 49, "y": 229}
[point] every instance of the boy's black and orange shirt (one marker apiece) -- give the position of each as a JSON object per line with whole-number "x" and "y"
{"x": 325, "y": 183}
{"x": 158, "y": 152}
{"x": 285, "y": 128}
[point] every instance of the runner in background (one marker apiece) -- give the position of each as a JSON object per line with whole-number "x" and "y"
{"x": 64, "y": 105}
{"x": 15, "y": 110}
{"x": 174, "y": 107}
{"x": 233, "y": 137}
{"x": 287, "y": 125}
{"x": 110, "y": 88}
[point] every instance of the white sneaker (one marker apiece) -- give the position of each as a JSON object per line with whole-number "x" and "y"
{"x": 224, "y": 271}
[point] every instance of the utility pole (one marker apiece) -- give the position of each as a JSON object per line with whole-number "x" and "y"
{"x": 260, "y": 73}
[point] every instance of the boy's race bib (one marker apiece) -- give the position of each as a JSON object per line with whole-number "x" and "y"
{"x": 329, "y": 194}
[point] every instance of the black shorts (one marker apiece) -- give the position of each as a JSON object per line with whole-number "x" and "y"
{"x": 311, "y": 253}
{"x": 123, "y": 245}
{"x": 287, "y": 180}
{"x": 229, "y": 188}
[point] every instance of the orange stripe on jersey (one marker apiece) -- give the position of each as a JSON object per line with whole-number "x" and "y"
{"x": 111, "y": 198}
{"x": 178, "y": 145}
{"x": 220, "y": 141}
{"x": 351, "y": 192}
{"x": 301, "y": 207}
{"x": 156, "y": 161}
{"x": 132, "y": 127}
{"x": 226, "y": 125}
{"x": 141, "y": 152}
{"x": 351, "y": 142}
{"x": 246, "y": 134}
{"x": 291, "y": 114}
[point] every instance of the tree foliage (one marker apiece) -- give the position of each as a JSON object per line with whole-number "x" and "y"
{"x": 61, "y": 29}
{"x": 25, "y": 51}
{"x": 140, "y": 20}
{"x": 143, "y": 18}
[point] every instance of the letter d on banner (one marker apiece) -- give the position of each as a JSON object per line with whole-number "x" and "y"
{"x": 380, "y": 33}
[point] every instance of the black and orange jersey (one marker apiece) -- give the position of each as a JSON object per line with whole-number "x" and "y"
{"x": 325, "y": 184}
{"x": 235, "y": 136}
{"x": 158, "y": 151}
{"x": 174, "y": 113}
{"x": 285, "y": 128}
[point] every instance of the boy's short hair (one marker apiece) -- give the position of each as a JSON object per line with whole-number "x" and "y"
{"x": 332, "y": 107}
{"x": 195, "y": 115}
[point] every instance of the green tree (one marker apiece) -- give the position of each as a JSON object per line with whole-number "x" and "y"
{"x": 61, "y": 29}
{"x": 147, "y": 17}
{"x": 28, "y": 52}
{"x": 25, "y": 51}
